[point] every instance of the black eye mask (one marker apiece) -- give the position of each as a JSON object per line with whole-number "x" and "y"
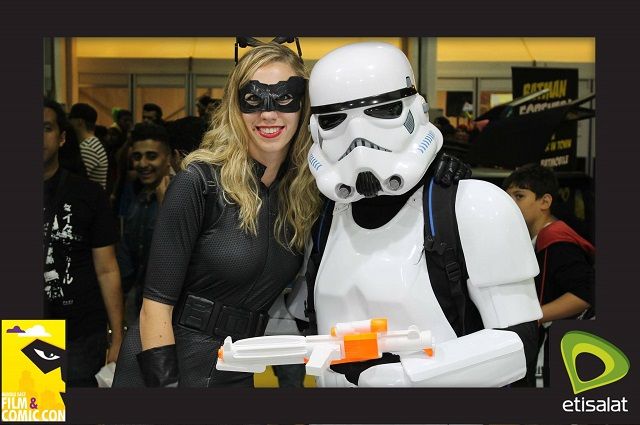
{"x": 284, "y": 96}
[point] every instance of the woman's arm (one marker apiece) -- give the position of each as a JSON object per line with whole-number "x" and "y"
{"x": 176, "y": 233}
{"x": 158, "y": 359}
{"x": 155, "y": 324}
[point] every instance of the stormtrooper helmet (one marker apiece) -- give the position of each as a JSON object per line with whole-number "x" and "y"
{"x": 369, "y": 125}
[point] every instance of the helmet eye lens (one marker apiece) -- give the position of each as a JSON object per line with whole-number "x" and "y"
{"x": 329, "y": 121}
{"x": 386, "y": 112}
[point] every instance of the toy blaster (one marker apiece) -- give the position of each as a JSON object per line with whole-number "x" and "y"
{"x": 348, "y": 342}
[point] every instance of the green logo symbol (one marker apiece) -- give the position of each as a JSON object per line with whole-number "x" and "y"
{"x": 616, "y": 364}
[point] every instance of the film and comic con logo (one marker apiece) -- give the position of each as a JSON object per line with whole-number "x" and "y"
{"x": 616, "y": 365}
{"x": 33, "y": 370}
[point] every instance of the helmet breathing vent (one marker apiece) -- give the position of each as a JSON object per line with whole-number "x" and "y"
{"x": 367, "y": 184}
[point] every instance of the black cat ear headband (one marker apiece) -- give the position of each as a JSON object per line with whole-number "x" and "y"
{"x": 242, "y": 42}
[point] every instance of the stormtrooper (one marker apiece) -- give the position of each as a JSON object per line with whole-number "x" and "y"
{"x": 373, "y": 155}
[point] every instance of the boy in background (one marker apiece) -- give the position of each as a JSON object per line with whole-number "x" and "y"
{"x": 565, "y": 284}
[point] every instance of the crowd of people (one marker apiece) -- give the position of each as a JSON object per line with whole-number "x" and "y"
{"x": 196, "y": 226}
{"x": 102, "y": 191}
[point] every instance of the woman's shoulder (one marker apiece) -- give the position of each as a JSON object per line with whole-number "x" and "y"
{"x": 200, "y": 165}
{"x": 202, "y": 174}
{"x": 192, "y": 176}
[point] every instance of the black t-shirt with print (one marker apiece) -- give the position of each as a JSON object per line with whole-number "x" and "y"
{"x": 80, "y": 221}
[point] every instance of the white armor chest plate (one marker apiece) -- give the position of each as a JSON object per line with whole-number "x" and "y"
{"x": 368, "y": 273}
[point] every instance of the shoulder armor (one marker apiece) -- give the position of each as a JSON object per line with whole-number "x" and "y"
{"x": 494, "y": 235}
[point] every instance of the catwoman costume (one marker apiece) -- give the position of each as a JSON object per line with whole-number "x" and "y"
{"x": 221, "y": 280}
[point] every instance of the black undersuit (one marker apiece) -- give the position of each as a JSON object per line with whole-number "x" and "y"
{"x": 222, "y": 263}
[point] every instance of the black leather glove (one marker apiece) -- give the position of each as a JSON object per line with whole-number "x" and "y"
{"x": 352, "y": 371}
{"x": 159, "y": 366}
{"x": 450, "y": 169}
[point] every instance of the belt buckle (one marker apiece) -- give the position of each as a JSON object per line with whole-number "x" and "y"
{"x": 196, "y": 313}
{"x": 235, "y": 322}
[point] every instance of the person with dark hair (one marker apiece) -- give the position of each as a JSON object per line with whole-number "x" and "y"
{"x": 118, "y": 131}
{"x": 566, "y": 281}
{"x": 185, "y": 135}
{"x": 206, "y": 105}
{"x": 101, "y": 133}
{"x": 203, "y": 103}
{"x": 81, "y": 276}
{"x": 151, "y": 158}
{"x": 152, "y": 113}
{"x": 83, "y": 118}
{"x": 69, "y": 156}
{"x": 124, "y": 120}
{"x": 117, "y": 151}
{"x": 444, "y": 125}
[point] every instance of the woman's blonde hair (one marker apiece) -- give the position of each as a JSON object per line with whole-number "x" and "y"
{"x": 226, "y": 145}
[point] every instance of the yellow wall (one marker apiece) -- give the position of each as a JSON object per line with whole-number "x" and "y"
{"x": 450, "y": 49}
{"x": 517, "y": 49}
{"x": 200, "y": 47}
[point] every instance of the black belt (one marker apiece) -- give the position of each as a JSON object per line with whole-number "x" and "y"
{"x": 219, "y": 320}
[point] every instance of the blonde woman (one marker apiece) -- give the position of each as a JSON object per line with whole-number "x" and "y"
{"x": 232, "y": 230}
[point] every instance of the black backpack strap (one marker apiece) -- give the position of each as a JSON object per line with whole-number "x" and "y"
{"x": 443, "y": 252}
{"x": 213, "y": 207}
{"x": 320, "y": 234}
{"x": 309, "y": 306}
{"x": 214, "y": 203}
{"x": 322, "y": 226}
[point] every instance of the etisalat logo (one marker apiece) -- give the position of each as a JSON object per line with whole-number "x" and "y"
{"x": 616, "y": 366}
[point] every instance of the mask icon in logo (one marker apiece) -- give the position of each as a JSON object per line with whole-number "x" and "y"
{"x": 45, "y": 356}
{"x": 616, "y": 363}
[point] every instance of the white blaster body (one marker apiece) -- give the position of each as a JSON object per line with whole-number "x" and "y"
{"x": 348, "y": 342}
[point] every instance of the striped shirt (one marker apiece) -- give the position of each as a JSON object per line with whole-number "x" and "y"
{"x": 95, "y": 160}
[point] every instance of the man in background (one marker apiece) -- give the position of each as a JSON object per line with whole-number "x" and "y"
{"x": 81, "y": 275}
{"x": 83, "y": 118}
{"x": 151, "y": 159}
{"x": 152, "y": 113}
{"x": 203, "y": 104}
{"x": 186, "y": 133}
{"x": 119, "y": 130}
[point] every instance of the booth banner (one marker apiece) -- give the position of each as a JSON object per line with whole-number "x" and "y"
{"x": 560, "y": 152}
